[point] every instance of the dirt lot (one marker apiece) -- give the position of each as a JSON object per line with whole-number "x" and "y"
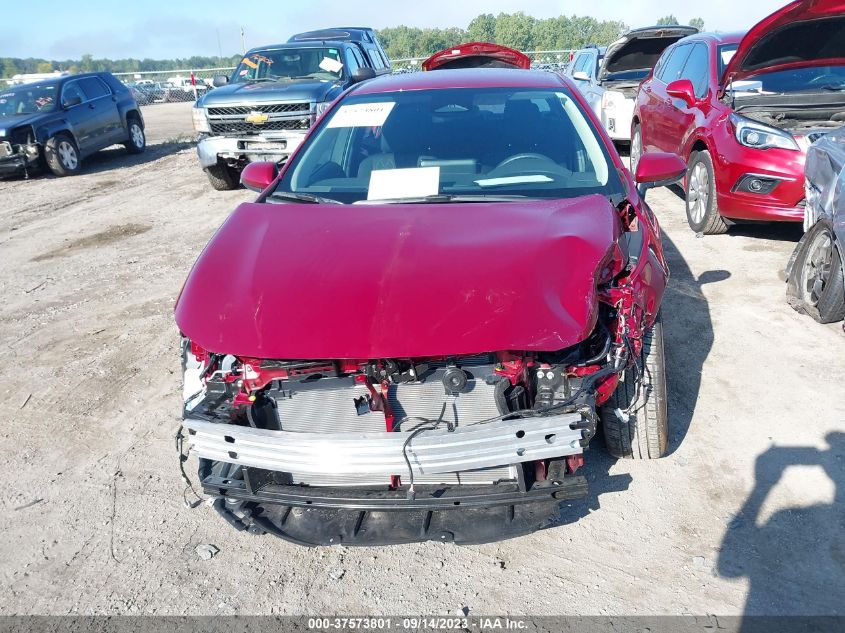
{"x": 745, "y": 515}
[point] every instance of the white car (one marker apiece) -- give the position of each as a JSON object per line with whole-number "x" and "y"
{"x": 609, "y": 78}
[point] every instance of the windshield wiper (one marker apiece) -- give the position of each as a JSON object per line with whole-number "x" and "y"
{"x": 303, "y": 197}
{"x": 442, "y": 198}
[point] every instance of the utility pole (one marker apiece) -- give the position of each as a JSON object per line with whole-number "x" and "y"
{"x": 243, "y": 45}
{"x": 219, "y": 48}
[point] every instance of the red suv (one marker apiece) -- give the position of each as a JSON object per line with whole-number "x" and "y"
{"x": 743, "y": 110}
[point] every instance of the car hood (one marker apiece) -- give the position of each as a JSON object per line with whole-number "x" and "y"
{"x": 310, "y": 90}
{"x": 641, "y": 48}
{"x": 307, "y": 281}
{"x": 802, "y": 34}
{"x": 10, "y": 122}
{"x": 477, "y": 55}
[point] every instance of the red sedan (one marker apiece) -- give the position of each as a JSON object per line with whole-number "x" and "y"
{"x": 416, "y": 329}
{"x": 743, "y": 110}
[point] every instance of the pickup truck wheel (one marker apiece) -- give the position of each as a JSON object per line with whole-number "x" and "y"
{"x": 645, "y": 434}
{"x": 222, "y": 178}
{"x": 816, "y": 286}
{"x": 137, "y": 141}
{"x": 702, "y": 211}
{"x": 62, "y": 155}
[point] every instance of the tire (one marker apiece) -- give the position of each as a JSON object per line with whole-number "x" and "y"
{"x": 636, "y": 147}
{"x": 223, "y": 178}
{"x": 646, "y": 433}
{"x": 700, "y": 189}
{"x": 62, "y": 155}
{"x": 816, "y": 278}
{"x": 137, "y": 141}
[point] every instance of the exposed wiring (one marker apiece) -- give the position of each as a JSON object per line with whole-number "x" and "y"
{"x": 183, "y": 457}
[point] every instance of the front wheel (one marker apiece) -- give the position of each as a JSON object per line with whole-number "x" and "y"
{"x": 62, "y": 155}
{"x": 635, "y": 419}
{"x": 222, "y": 177}
{"x": 815, "y": 280}
{"x": 702, "y": 210}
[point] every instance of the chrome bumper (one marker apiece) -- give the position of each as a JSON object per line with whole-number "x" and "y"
{"x": 251, "y": 148}
{"x": 429, "y": 452}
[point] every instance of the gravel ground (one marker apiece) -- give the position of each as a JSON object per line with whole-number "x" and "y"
{"x": 744, "y": 515}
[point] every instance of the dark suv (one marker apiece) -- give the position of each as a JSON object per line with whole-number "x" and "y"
{"x": 61, "y": 121}
{"x": 274, "y": 96}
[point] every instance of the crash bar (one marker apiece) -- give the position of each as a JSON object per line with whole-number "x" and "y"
{"x": 431, "y": 451}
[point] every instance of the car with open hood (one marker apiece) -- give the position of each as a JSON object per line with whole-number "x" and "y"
{"x": 477, "y": 55}
{"x": 420, "y": 324}
{"x": 743, "y": 109}
{"x": 609, "y": 77}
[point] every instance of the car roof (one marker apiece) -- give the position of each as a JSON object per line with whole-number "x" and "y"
{"x": 734, "y": 37}
{"x": 355, "y": 33}
{"x": 464, "y": 78}
{"x": 299, "y": 44}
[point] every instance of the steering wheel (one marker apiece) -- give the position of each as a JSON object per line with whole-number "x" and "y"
{"x": 524, "y": 156}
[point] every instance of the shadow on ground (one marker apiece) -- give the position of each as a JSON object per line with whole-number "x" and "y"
{"x": 795, "y": 561}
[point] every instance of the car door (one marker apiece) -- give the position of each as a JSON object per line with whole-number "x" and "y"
{"x": 680, "y": 117}
{"x": 656, "y": 132}
{"x": 102, "y": 106}
{"x": 77, "y": 115}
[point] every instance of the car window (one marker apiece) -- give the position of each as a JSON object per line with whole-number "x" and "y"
{"x": 27, "y": 99}
{"x": 291, "y": 63}
{"x": 726, "y": 54}
{"x": 671, "y": 70}
{"x": 488, "y": 142}
{"x": 94, "y": 88}
{"x": 581, "y": 63}
{"x": 71, "y": 91}
{"x": 697, "y": 69}
{"x": 359, "y": 57}
{"x": 375, "y": 58}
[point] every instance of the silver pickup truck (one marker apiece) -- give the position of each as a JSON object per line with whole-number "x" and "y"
{"x": 263, "y": 111}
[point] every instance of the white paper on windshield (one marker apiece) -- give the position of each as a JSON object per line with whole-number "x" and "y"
{"x": 362, "y": 115}
{"x": 331, "y": 65}
{"x": 416, "y": 182}
{"x": 512, "y": 180}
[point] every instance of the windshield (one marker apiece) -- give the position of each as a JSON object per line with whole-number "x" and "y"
{"x": 28, "y": 99}
{"x": 817, "y": 79}
{"x": 291, "y": 63}
{"x": 491, "y": 142}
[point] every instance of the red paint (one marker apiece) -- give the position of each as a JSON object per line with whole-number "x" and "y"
{"x": 478, "y": 49}
{"x": 659, "y": 167}
{"x": 312, "y": 281}
{"x": 259, "y": 175}
{"x": 668, "y": 124}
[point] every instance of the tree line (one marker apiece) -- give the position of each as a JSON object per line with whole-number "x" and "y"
{"x": 516, "y": 30}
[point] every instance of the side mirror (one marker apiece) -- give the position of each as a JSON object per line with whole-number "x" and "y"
{"x": 362, "y": 74}
{"x": 258, "y": 176}
{"x": 658, "y": 169}
{"x": 682, "y": 89}
{"x": 220, "y": 80}
{"x": 580, "y": 75}
{"x": 72, "y": 101}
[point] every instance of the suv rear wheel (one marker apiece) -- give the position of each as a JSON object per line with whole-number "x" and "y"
{"x": 62, "y": 155}
{"x": 702, "y": 211}
{"x": 645, "y": 433}
{"x": 222, "y": 177}
{"x": 137, "y": 141}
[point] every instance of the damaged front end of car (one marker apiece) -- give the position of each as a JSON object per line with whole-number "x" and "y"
{"x": 365, "y": 449}
{"x": 19, "y": 151}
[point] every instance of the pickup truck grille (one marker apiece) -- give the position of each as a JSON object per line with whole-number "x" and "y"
{"x": 260, "y": 118}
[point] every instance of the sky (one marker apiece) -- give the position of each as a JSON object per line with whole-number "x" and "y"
{"x": 163, "y": 29}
